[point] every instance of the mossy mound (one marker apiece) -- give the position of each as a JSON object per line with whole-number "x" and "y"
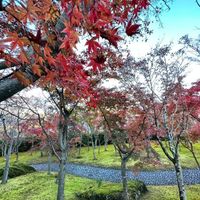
{"x": 18, "y": 170}
{"x": 112, "y": 191}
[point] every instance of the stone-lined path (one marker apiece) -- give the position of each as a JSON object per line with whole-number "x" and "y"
{"x": 160, "y": 177}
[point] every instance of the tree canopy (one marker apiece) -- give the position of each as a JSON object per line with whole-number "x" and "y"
{"x": 43, "y": 40}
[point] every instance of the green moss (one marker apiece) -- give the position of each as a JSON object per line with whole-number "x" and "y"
{"x": 111, "y": 191}
{"x": 38, "y": 186}
{"x": 171, "y": 193}
{"x": 108, "y": 158}
{"x": 18, "y": 170}
{"x": 27, "y": 158}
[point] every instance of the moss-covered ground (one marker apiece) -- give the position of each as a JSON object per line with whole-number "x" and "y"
{"x": 40, "y": 186}
{"x": 110, "y": 158}
{"x": 171, "y": 193}
{"x": 29, "y": 157}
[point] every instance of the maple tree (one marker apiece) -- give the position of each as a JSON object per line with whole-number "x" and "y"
{"x": 92, "y": 123}
{"x": 125, "y": 123}
{"x": 8, "y": 134}
{"x": 41, "y": 126}
{"x": 191, "y": 46}
{"x": 192, "y": 97}
{"x": 15, "y": 107}
{"x": 12, "y": 117}
{"x": 157, "y": 80}
{"x": 39, "y": 40}
{"x": 192, "y": 101}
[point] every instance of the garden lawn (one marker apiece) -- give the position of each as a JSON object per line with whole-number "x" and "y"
{"x": 29, "y": 157}
{"x": 40, "y": 186}
{"x": 171, "y": 193}
{"x": 109, "y": 158}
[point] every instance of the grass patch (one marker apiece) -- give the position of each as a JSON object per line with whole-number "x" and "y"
{"x": 28, "y": 158}
{"x": 108, "y": 158}
{"x": 40, "y": 186}
{"x": 170, "y": 193}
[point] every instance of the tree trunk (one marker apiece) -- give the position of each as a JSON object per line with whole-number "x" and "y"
{"x": 5, "y": 150}
{"x": 49, "y": 161}
{"x": 88, "y": 144}
{"x": 80, "y": 146}
{"x": 7, "y": 164}
{"x": 99, "y": 145}
{"x": 63, "y": 147}
{"x": 93, "y": 148}
{"x": 195, "y": 158}
{"x": 95, "y": 141}
{"x": 191, "y": 149}
{"x": 41, "y": 153}
{"x": 17, "y": 150}
{"x": 79, "y": 150}
{"x": 116, "y": 152}
{"x": 61, "y": 177}
{"x": 124, "y": 179}
{"x": 105, "y": 142}
{"x": 18, "y": 143}
{"x": 17, "y": 154}
{"x": 179, "y": 177}
{"x": 2, "y": 149}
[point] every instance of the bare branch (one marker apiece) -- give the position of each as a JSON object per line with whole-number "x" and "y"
{"x": 165, "y": 150}
{"x": 198, "y": 3}
{"x": 3, "y": 65}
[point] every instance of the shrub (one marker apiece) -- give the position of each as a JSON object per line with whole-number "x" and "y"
{"x": 18, "y": 170}
{"x": 112, "y": 191}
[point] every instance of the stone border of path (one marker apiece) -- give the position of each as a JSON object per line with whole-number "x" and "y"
{"x": 160, "y": 177}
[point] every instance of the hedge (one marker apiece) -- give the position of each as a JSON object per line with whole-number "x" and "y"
{"x": 18, "y": 170}
{"x": 112, "y": 191}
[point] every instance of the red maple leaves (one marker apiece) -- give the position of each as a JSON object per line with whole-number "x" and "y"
{"x": 132, "y": 29}
{"x": 35, "y": 39}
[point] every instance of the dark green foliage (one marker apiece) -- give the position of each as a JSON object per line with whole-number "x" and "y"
{"x": 18, "y": 170}
{"x": 25, "y": 145}
{"x": 28, "y": 144}
{"x": 110, "y": 191}
{"x": 86, "y": 139}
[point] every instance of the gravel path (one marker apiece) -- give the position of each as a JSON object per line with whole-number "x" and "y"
{"x": 164, "y": 177}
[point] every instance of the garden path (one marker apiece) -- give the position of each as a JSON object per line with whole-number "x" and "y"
{"x": 159, "y": 177}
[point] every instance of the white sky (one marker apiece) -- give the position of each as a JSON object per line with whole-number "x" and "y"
{"x": 183, "y": 18}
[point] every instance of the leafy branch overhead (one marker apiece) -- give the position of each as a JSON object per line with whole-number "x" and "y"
{"x": 41, "y": 40}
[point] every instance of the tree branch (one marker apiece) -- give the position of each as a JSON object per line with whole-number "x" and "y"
{"x": 11, "y": 85}
{"x": 165, "y": 150}
{"x": 198, "y": 3}
{"x": 4, "y": 66}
